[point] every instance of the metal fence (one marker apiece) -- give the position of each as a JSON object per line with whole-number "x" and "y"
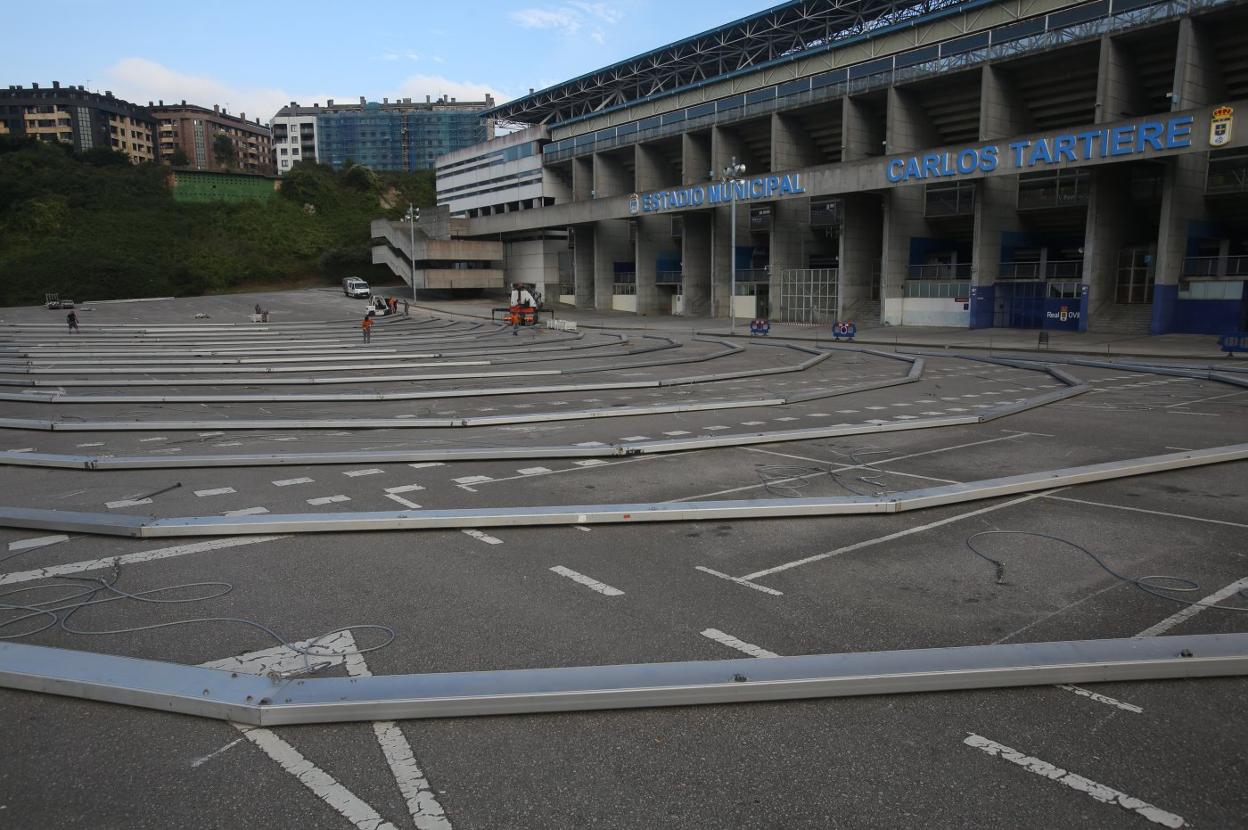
{"x": 808, "y": 295}
{"x": 932, "y": 289}
{"x": 1234, "y": 267}
{"x": 1054, "y": 269}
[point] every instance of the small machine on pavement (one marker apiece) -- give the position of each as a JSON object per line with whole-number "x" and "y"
{"x": 525, "y": 302}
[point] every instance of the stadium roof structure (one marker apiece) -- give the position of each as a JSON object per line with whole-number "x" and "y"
{"x": 782, "y": 33}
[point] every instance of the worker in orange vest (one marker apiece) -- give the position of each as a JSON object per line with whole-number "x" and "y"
{"x": 367, "y": 326}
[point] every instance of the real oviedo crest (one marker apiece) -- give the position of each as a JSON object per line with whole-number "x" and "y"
{"x": 1220, "y": 126}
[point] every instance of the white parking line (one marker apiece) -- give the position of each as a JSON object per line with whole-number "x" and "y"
{"x": 150, "y": 440}
{"x": 321, "y": 783}
{"x": 1099, "y": 698}
{"x": 472, "y": 480}
{"x": 286, "y": 482}
{"x": 404, "y": 488}
{"x": 422, "y": 804}
{"x": 372, "y": 471}
{"x": 636, "y": 438}
{"x": 484, "y": 537}
{"x": 113, "y": 505}
{"x": 216, "y": 491}
{"x": 536, "y": 471}
{"x": 426, "y": 464}
{"x": 590, "y": 462}
{"x": 898, "y": 535}
{"x": 1192, "y": 610}
{"x": 37, "y": 542}
{"x": 1100, "y": 792}
{"x": 93, "y": 444}
{"x": 740, "y": 645}
{"x": 328, "y": 500}
{"x": 740, "y": 581}
{"x": 411, "y": 505}
{"x": 676, "y": 432}
{"x": 247, "y": 511}
{"x": 1153, "y": 512}
{"x": 588, "y": 582}
{"x": 132, "y": 558}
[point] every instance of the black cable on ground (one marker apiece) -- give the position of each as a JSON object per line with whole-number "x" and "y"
{"x": 1147, "y": 584}
{"x": 93, "y": 591}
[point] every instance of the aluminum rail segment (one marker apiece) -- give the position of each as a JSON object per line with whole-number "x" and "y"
{"x": 264, "y": 701}
{"x": 1075, "y": 387}
{"x": 42, "y": 397}
{"x": 146, "y": 527}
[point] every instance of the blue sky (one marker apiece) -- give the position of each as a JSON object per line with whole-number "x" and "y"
{"x": 254, "y": 57}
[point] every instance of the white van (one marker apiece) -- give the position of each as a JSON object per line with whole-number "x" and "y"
{"x": 355, "y": 287}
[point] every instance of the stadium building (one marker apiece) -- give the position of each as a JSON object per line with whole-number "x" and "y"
{"x": 1042, "y": 164}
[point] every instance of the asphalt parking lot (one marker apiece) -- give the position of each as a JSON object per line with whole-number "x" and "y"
{"x": 140, "y": 381}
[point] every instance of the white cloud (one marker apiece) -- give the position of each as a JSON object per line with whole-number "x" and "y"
{"x": 570, "y": 18}
{"x": 566, "y": 20}
{"x": 603, "y": 11}
{"x": 141, "y": 80}
{"x": 435, "y": 86}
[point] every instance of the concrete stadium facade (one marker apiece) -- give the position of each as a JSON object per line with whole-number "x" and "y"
{"x": 1037, "y": 164}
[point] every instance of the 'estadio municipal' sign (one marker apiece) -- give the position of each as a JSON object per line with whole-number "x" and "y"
{"x": 722, "y": 193}
{"x": 1026, "y": 154}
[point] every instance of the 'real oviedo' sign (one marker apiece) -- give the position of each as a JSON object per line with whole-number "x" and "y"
{"x": 718, "y": 193}
{"x": 1174, "y": 132}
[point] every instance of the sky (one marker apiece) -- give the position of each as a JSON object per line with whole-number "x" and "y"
{"x": 253, "y": 58}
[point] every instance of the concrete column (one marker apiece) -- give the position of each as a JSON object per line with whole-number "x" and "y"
{"x": 859, "y": 252}
{"x": 695, "y": 257}
{"x": 908, "y": 129}
{"x": 1001, "y": 110}
{"x": 695, "y": 158}
{"x": 861, "y": 135}
{"x": 903, "y": 221}
{"x": 611, "y": 178}
{"x": 1119, "y": 93}
{"x": 654, "y": 235}
{"x": 1001, "y": 114}
{"x": 790, "y": 231}
{"x": 610, "y": 246}
{"x": 725, "y": 145}
{"x": 791, "y": 146}
{"x": 1109, "y": 211}
{"x": 791, "y": 149}
{"x": 582, "y": 177}
{"x": 1197, "y": 82}
{"x": 653, "y": 171}
{"x": 583, "y": 266}
{"x": 722, "y": 253}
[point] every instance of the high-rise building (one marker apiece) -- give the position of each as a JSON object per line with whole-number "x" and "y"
{"x": 75, "y": 116}
{"x": 195, "y": 131}
{"x": 399, "y": 135}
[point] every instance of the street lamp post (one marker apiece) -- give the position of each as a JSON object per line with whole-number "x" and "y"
{"x": 731, "y": 173}
{"x": 413, "y": 213}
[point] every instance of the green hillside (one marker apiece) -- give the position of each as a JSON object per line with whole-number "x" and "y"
{"x": 92, "y": 226}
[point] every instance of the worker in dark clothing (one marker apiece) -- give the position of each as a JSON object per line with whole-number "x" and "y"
{"x": 72, "y": 319}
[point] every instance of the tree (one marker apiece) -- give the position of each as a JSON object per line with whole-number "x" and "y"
{"x": 105, "y": 157}
{"x": 224, "y": 151}
{"x": 178, "y": 158}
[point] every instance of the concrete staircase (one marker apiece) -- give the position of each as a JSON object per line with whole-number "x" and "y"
{"x": 866, "y": 313}
{"x": 1114, "y": 318}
